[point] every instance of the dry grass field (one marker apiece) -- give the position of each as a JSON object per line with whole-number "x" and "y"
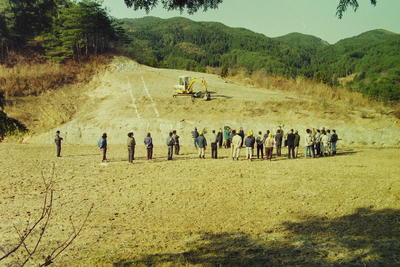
{"x": 337, "y": 211}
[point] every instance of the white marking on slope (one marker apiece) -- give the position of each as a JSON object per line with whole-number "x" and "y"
{"x": 133, "y": 100}
{"x": 151, "y": 98}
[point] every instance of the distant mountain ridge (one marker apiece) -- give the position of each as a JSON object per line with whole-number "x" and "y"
{"x": 297, "y": 38}
{"x": 373, "y": 57}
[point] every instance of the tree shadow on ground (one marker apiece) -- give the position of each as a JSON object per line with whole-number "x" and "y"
{"x": 365, "y": 238}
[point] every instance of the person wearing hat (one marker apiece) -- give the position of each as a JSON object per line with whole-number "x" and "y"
{"x": 131, "y": 147}
{"x": 236, "y": 142}
{"x": 58, "y": 139}
{"x": 201, "y": 143}
{"x": 103, "y": 146}
{"x": 249, "y": 143}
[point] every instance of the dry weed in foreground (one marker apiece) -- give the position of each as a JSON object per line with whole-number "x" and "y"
{"x": 29, "y": 247}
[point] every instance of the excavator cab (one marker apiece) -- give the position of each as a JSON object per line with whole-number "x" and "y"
{"x": 184, "y": 81}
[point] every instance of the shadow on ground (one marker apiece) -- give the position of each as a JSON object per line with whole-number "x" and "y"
{"x": 365, "y": 238}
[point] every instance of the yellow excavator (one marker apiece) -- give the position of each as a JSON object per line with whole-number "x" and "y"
{"x": 186, "y": 86}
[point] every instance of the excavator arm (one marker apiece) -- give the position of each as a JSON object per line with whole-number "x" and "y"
{"x": 195, "y": 80}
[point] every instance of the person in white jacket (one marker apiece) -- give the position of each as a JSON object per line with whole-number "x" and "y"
{"x": 325, "y": 144}
{"x": 236, "y": 143}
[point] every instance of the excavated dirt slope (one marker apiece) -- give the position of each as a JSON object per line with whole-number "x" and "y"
{"x": 132, "y": 97}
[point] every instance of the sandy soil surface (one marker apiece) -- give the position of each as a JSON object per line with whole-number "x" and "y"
{"x": 132, "y": 97}
{"x": 192, "y": 212}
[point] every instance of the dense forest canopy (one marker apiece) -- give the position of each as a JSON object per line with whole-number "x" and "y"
{"x": 63, "y": 28}
{"x": 372, "y": 58}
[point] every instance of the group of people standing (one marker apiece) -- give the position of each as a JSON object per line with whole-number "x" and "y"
{"x": 318, "y": 143}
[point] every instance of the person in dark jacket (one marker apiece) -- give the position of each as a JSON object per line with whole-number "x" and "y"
{"x": 334, "y": 139}
{"x": 249, "y": 143}
{"x": 278, "y": 142}
{"x": 103, "y": 146}
{"x": 176, "y": 141}
{"x": 58, "y": 139}
{"x": 260, "y": 145}
{"x": 232, "y": 134}
{"x": 296, "y": 144}
{"x": 201, "y": 144}
{"x": 148, "y": 142}
{"x": 195, "y": 134}
{"x": 220, "y": 138}
{"x": 131, "y": 143}
{"x": 290, "y": 143}
{"x": 170, "y": 144}
{"x": 241, "y": 134}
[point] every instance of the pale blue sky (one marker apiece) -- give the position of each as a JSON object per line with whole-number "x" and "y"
{"x": 279, "y": 17}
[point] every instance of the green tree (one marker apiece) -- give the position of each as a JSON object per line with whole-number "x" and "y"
{"x": 190, "y": 5}
{"x": 344, "y": 4}
{"x": 80, "y": 29}
{"x": 194, "y": 5}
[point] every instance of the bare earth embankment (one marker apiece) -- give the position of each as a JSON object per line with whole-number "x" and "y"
{"x": 131, "y": 97}
{"x": 191, "y": 212}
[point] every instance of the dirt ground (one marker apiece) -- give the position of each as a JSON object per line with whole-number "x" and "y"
{"x": 342, "y": 210}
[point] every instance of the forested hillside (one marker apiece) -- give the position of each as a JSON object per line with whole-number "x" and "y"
{"x": 62, "y": 29}
{"x": 372, "y": 59}
{"x": 48, "y": 44}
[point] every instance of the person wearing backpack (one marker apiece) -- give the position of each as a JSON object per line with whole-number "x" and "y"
{"x": 334, "y": 139}
{"x": 249, "y": 142}
{"x": 131, "y": 147}
{"x": 260, "y": 145}
{"x": 201, "y": 144}
{"x": 103, "y": 146}
{"x": 170, "y": 144}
